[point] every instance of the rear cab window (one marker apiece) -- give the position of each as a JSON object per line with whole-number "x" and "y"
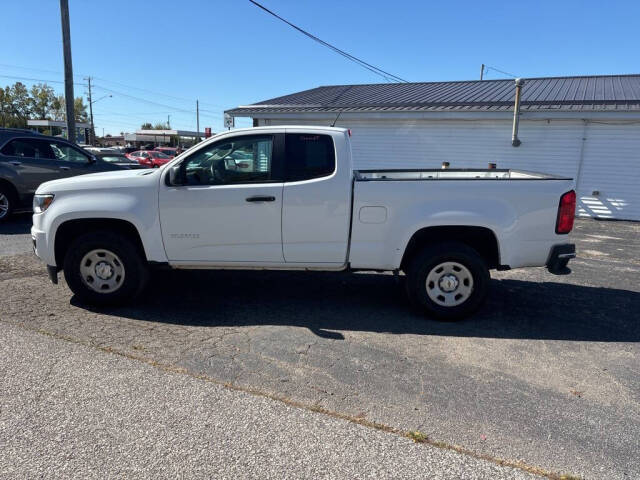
{"x": 308, "y": 156}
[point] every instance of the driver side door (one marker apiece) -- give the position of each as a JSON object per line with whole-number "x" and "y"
{"x": 228, "y": 211}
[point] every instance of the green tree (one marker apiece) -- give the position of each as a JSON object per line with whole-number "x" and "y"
{"x": 80, "y": 110}
{"x": 58, "y": 108}
{"x": 21, "y": 103}
{"x": 146, "y": 126}
{"x": 160, "y": 126}
{"x": 16, "y": 106}
{"x": 5, "y": 105}
{"x": 42, "y": 97}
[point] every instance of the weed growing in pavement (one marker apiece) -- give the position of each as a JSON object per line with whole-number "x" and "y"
{"x": 417, "y": 436}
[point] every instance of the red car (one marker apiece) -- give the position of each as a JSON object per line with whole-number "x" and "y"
{"x": 149, "y": 158}
{"x": 168, "y": 151}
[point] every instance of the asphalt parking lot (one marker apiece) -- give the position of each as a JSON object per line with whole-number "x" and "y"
{"x": 546, "y": 374}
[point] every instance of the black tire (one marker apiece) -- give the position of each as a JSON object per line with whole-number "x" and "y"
{"x": 6, "y": 195}
{"x": 433, "y": 256}
{"x": 135, "y": 269}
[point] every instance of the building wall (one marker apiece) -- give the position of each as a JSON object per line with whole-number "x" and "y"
{"x": 607, "y": 162}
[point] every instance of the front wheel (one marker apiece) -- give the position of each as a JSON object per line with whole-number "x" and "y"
{"x": 104, "y": 268}
{"x": 448, "y": 281}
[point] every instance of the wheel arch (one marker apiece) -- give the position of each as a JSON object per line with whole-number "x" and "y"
{"x": 481, "y": 239}
{"x": 11, "y": 187}
{"x": 70, "y": 229}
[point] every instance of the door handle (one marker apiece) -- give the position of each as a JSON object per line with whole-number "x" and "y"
{"x": 16, "y": 164}
{"x": 65, "y": 168}
{"x": 261, "y": 198}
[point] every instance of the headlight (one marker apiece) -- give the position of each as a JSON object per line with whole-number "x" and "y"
{"x": 41, "y": 202}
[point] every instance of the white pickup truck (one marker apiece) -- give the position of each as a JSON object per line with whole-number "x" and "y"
{"x": 289, "y": 198}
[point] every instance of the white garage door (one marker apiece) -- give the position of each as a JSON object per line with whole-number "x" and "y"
{"x": 609, "y": 183}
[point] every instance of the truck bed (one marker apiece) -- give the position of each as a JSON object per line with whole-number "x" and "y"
{"x": 452, "y": 174}
{"x": 518, "y": 207}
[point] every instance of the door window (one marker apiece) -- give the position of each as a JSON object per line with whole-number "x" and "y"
{"x": 67, "y": 153}
{"x": 308, "y": 156}
{"x": 29, "y": 148}
{"x": 233, "y": 161}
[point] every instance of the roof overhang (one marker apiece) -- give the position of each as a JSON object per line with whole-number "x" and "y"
{"x": 169, "y": 133}
{"x": 617, "y": 115}
{"x": 54, "y": 123}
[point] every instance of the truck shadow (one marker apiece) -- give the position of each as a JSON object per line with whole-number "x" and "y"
{"x": 327, "y": 303}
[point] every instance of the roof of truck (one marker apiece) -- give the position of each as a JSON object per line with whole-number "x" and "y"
{"x": 590, "y": 93}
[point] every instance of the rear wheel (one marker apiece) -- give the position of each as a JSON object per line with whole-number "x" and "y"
{"x": 448, "y": 281}
{"x": 6, "y": 203}
{"x": 104, "y": 268}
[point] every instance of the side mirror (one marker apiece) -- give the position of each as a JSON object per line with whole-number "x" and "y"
{"x": 175, "y": 176}
{"x": 92, "y": 159}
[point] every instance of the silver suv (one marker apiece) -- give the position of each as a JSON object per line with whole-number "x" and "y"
{"x": 28, "y": 159}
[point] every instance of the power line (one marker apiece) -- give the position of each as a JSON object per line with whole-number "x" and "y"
{"x": 140, "y": 99}
{"x": 181, "y": 99}
{"x": 378, "y": 71}
{"x": 29, "y": 79}
{"x": 173, "y": 109}
{"x": 204, "y": 112}
{"x": 38, "y": 69}
{"x": 151, "y": 102}
{"x": 488, "y": 67}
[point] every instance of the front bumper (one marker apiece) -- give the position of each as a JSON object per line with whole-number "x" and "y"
{"x": 39, "y": 240}
{"x": 559, "y": 258}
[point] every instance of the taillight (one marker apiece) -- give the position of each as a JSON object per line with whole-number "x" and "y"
{"x": 566, "y": 212}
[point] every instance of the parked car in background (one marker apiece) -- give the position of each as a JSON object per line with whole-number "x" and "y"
{"x": 120, "y": 160}
{"x": 168, "y": 151}
{"x": 149, "y": 158}
{"x": 28, "y": 159}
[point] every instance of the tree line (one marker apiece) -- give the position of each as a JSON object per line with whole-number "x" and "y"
{"x": 157, "y": 126}
{"x": 19, "y": 104}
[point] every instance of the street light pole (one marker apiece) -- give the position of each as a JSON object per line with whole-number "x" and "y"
{"x": 91, "y": 102}
{"x": 68, "y": 70}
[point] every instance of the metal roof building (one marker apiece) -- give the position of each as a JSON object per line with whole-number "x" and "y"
{"x": 598, "y": 93}
{"x": 587, "y": 127}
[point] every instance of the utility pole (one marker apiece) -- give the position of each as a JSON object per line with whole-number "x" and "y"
{"x": 482, "y": 71}
{"x": 169, "y": 122}
{"x": 68, "y": 71}
{"x": 92, "y": 133}
{"x": 198, "y": 120}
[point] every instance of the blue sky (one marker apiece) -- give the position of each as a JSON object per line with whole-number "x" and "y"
{"x": 156, "y": 58}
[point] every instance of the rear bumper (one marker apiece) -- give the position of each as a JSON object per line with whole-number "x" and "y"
{"x": 559, "y": 258}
